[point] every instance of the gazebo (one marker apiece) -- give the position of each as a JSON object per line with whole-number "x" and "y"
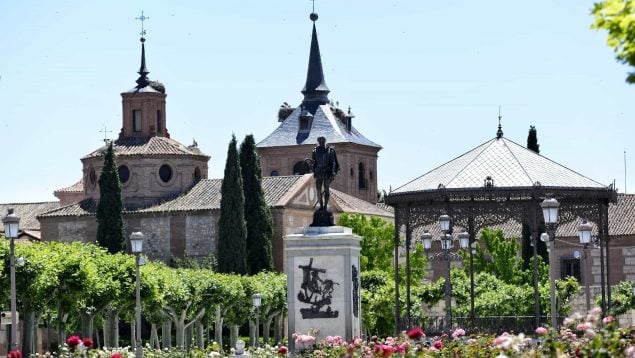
{"x": 496, "y": 182}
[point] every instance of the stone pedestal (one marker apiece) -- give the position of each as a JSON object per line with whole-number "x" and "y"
{"x": 323, "y": 282}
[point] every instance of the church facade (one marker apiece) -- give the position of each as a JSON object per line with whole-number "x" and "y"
{"x": 165, "y": 186}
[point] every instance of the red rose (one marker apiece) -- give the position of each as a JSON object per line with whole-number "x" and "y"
{"x": 438, "y": 345}
{"x": 73, "y": 341}
{"x": 87, "y": 342}
{"x": 14, "y": 354}
{"x": 415, "y": 333}
{"x": 283, "y": 350}
{"x": 388, "y": 350}
{"x": 116, "y": 355}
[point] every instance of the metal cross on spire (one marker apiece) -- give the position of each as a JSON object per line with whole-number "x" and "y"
{"x": 499, "y": 132}
{"x": 313, "y": 1}
{"x": 105, "y": 131}
{"x": 142, "y": 18}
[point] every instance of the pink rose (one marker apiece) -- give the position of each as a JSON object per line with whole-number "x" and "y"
{"x": 608, "y": 319}
{"x": 583, "y": 327}
{"x": 282, "y": 350}
{"x": 459, "y": 332}
{"x": 541, "y": 331}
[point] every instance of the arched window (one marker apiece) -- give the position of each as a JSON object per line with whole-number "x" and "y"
{"x": 274, "y": 173}
{"x": 301, "y": 168}
{"x": 197, "y": 175}
{"x": 361, "y": 176}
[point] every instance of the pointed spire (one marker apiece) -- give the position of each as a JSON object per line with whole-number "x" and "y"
{"x": 143, "y": 80}
{"x": 499, "y": 132}
{"x": 315, "y": 89}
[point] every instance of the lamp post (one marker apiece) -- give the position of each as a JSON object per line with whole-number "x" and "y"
{"x": 257, "y": 298}
{"x": 446, "y": 254}
{"x": 136, "y": 245}
{"x": 550, "y": 213}
{"x": 11, "y": 225}
{"x": 584, "y": 232}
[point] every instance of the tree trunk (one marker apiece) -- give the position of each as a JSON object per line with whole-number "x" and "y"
{"x": 133, "y": 333}
{"x": 179, "y": 326}
{"x": 233, "y": 335}
{"x": 278, "y": 326}
{"x": 37, "y": 315}
{"x": 266, "y": 328}
{"x": 166, "y": 333}
{"x": 218, "y": 326}
{"x": 97, "y": 340}
{"x": 154, "y": 337}
{"x": 252, "y": 333}
{"x": 61, "y": 326}
{"x": 111, "y": 328}
{"x": 87, "y": 324}
{"x": 200, "y": 334}
{"x": 27, "y": 335}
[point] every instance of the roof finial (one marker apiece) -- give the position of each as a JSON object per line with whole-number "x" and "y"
{"x": 499, "y": 132}
{"x": 143, "y": 80}
{"x": 315, "y": 90}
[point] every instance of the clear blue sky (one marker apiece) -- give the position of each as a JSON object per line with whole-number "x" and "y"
{"x": 424, "y": 78}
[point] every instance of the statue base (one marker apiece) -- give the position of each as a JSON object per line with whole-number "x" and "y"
{"x": 323, "y": 283}
{"x": 322, "y": 217}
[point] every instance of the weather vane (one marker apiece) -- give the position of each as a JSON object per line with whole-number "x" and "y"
{"x": 142, "y": 18}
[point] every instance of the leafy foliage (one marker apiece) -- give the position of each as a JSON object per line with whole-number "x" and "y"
{"x": 232, "y": 230}
{"x": 257, "y": 213}
{"x": 617, "y": 18}
{"x": 110, "y": 233}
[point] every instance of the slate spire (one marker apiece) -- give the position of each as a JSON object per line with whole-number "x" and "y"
{"x": 315, "y": 89}
{"x": 143, "y": 80}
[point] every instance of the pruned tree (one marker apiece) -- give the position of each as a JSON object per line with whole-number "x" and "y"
{"x": 110, "y": 231}
{"x": 232, "y": 230}
{"x": 257, "y": 213}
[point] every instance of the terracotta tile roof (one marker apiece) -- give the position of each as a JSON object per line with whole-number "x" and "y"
{"x": 148, "y": 146}
{"x": 28, "y": 213}
{"x": 324, "y": 124}
{"x": 622, "y": 215}
{"x": 351, "y": 204}
{"x": 206, "y": 195}
{"x": 509, "y": 165}
{"x": 75, "y": 188}
{"x": 203, "y": 196}
{"x": 85, "y": 207}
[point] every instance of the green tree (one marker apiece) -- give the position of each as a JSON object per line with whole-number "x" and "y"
{"x": 232, "y": 230}
{"x": 617, "y": 17}
{"x": 257, "y": 213}
{"x": 110, "y": 233}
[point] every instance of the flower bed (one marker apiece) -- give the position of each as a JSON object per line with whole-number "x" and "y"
{"x": 581, "y": 336}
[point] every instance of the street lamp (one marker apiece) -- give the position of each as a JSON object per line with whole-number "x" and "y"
{"x": 584, "y": 232}
{"x": 11, "y": 225}
{"x": 257, "y": 298}
{"x": 550, "y": 213}
{"x": 136, "y": 245}
{"x": 447, "y": 244}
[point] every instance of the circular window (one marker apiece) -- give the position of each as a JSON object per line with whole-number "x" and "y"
{"x": 197, "y": 175}
{"x": 274, "y": 173}
{"x": 92, "y": 177}
{"x": 124, "y": 174}
{"x": 165, "y": 173}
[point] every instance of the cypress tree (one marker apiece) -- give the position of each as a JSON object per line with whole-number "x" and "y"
{"x": 257, "y": 213}
{"x": 232, "y": 231}
{"x": 527, "y": 250}
{"x": 110, "y": 233}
